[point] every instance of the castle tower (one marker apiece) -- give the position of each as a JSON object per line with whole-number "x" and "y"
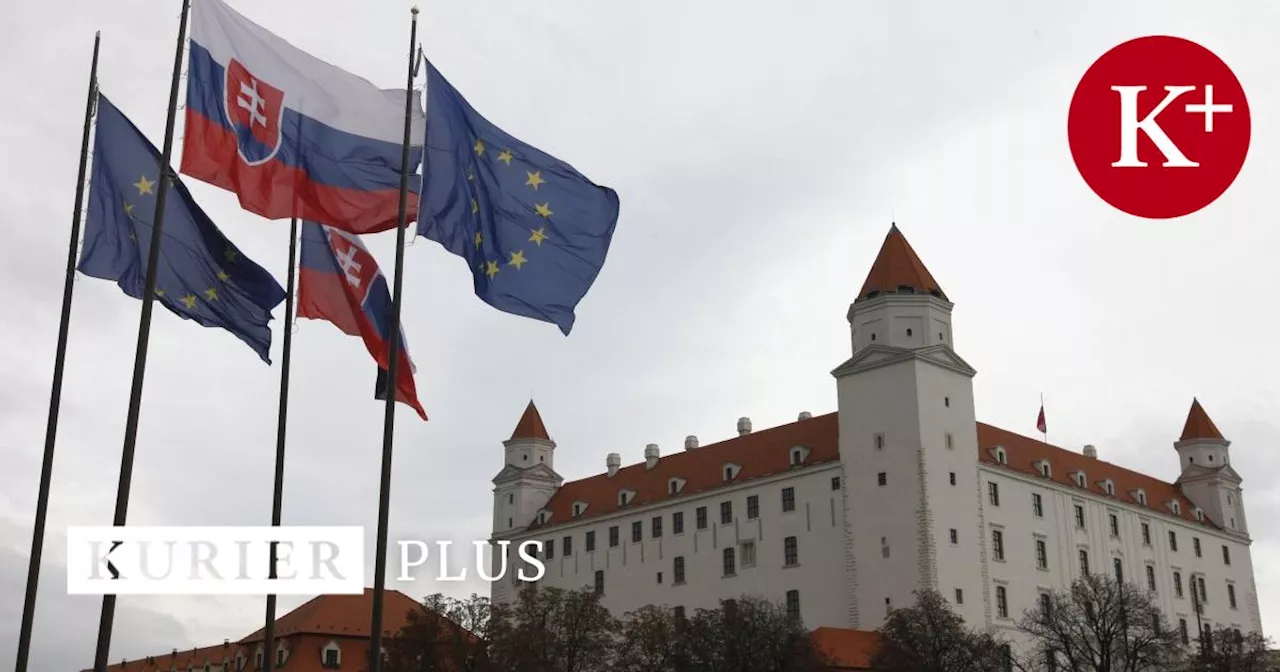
{"x": 528, "y": 477}
{"x": 907, "y": 429}
{"x": 1208, "y": 479}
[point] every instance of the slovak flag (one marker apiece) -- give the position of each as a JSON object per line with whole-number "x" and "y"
{"x": 291, "y": 135}
{"x": 339, "y": 281}
{"x": 1040, "y": 423}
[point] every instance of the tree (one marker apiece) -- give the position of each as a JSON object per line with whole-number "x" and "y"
{"x": 552, "y": 630}
{"x": 1102, "y": 625}
{"x": 651, "y": 641}
{"x": 447, "y": 635}
{"x": 929, "y": 637}
{"x": 1227, "y": 650}
{"x": 749, "y": 633}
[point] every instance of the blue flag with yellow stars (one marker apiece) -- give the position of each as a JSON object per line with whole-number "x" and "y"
{"x": 201, "y": 276}
{"x": 533, "y": 230}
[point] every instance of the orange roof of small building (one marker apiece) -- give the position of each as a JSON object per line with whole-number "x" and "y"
{"x": 768, "y": 452}
{"x": 1199, "y": 426}
{"x": 345, "y": 615}
{"x": 846, "y": 649}
{"x": 196, "y": 658}
{"x": 759, "y": 454}
{"x": 530, "y": 425}
{"x": 897, "y": 270}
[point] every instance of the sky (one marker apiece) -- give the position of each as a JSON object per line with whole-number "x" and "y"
{"x": 760, "y": 151}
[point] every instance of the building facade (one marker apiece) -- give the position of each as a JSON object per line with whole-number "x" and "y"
{"x": 842, "y": 516}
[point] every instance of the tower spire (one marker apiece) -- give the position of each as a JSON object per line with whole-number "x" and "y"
{"x": 1198, "y": 425}
{"x": 530, "y": 425}
{"x": 898, "y": 270}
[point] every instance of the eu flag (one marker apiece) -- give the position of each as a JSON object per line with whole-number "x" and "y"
{"x": 533, "y": 230}
{"x": 201, "y": 276}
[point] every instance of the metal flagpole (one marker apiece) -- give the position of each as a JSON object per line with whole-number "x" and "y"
{"x": 55, "y": 396}
{"x": 393, "y": 359}
{"x": 268, "y": 632}
{"x": 163, "y": 179}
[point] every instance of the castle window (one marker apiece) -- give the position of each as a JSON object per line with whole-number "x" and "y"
{"x": 793, "y": 596}
{"x": 788, "y": 499}
{"x": 953, "y": 478}
{"x": 955, "y": 536}
{"x": 731, "y": 471}
{"x": 636, "y": 531}
{"x": 1226, "y": 555}
{"x": 613, "y": 536}
{"x": 873, "y": 337}
{"x": 790, "y": 552}
{"x": 882, "y": 479}
{"x": 626, "y": 497}
{"x": 542, "y": 517}
{"x": 1195, "y": 544}
{"x": 795, "y": 457}
{"x": 951, "y": 444}
{"x": 726, "y": 513}
{"x": 677, "y": 567}
{"x": 798, "y": 455}
{"x": 908, "y": 332}
{"x": 1037, "y": 505}
{"x": 701, "y": 517}
{"x": 578, "y": 508}
{"x": 1146, "y": 534}
{"x": 332, "y": 655}
{"x": 753, "y": 507}
{"x": 1111, "y": 487}
{"x": 1173, "y": 541}
{"x": 1080, "y": 516}
{"x": 1002, "y": 602}
{"x": 1177, "y": 507}
{"x": 946, "y": 401}
{"x": 880, "y": 441}
{"x": 511, "y": 499}
{"x": 730, "y": 566}
{"x": 1151, "y": 578}
{"x": 1084, "y": 562}
{"x": 1199, "y": 515}
{"x": 959, "y": 596}
{"x": 677, "y": 522}
{"x": 1229, "y": 502}
{"x": 591, "y": 541}
{"x": 675, "y": 485}
{"x": 1142, "y": 497}
{"x": 1211, "y": 458}
{"x": 1081, "y": 481}
{"x": 599, "y": 587}
{"x": 748, "y": 554}
{"x": 1001, "y": 457}
{"x": 835, "y": 482}
{"x": 993, "y": 493}
{"x": 1231, "y": 595}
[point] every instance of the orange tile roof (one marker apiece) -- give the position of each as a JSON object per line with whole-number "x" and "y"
{"x": 896, "y": 268}
{"x": 1199, "y": 426}
{"x": 1023, "y": 454}
{"x": 768, "y": 452}
{"x": 530, "y": 425}
{"x": 346, "y": 615}
{"x": 196, "y": 658}
{"x": 846, "y": 649}
{"x": 759, "y": 454}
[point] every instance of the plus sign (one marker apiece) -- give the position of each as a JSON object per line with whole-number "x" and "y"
{"x": 1207, "y": 108}
{"x": 351, "y": 267}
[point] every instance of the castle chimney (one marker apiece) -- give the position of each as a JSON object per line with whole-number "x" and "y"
{"x": 804, "y": 415}
{"x": 613, "y": 461}
{"x": 1091, "y": 452}
{"x": 690, "y": 442}
{"x": 744, "y": 426}
{"x": 651, "y": 456}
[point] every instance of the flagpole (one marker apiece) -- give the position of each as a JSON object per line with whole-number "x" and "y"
{"x": 144, "y": 334}
{"x": 277, "y": 499}
{"x": 393, "y": 360}
{"x": 55, "y": 396}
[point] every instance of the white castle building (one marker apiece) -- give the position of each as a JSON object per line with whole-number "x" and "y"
{"x": 843, "y": 515}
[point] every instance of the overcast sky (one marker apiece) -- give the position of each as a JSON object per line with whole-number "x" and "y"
{"x": 760, "y": 151}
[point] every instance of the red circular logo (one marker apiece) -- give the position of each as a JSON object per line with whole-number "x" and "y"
{"x": 1159, "y": 127}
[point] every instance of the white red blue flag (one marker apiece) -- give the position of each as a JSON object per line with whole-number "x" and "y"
{"x": 340, "y": 282}
{"x": 291, "y": 135}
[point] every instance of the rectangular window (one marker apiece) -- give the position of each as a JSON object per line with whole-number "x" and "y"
{"x": 1084, "y": 562}
{"x": 657, "y": 527}
{"x": 700, "y": 517}
{"x": 730, "y": 567}
{"x": 997, "y": 545}
{"x": 1118, "y": 566}
{"x": 636, "y": 531}
{"x": 1042, "y": 555}
{"x": 1037, "y": 505}
{"x": 1002, "y": 602}
{"x": 955, "y": 536}
{"x": 835, "y": 482}
{"x": 1046, "y": 603}
{"x": 879, "y": 441}
{"x": 1195, "y": 545}
{"x": 1146, "y": 534}
{"x": 677, "y": 569}
{"x": 882, "y": 479}
{"x": 613, "y": 536}
{"x": 1173, "y": 541}
{"x": 788, "y": 499}
{"x": 753, "y": 509}
{"x": 748, "y": 554}
{"x": 1151, "y": 578}
{"x": 679, "y": 613}
{"x": 677, "y": 522}
{"x": 959, "y": 596}
{"x": 591, "y": 541}
{"x": 1204, "y": 598}
{"x": 1115, "y": 525}
{"x": 793, "y": 604}
{"x": 1177, "y": 584}
{"x": 551, "y": 548}
{"x": 790, "y": 553}
{"x": 953, "y": 478}
{"x": 599, "y": 582}
{"x": 1226, "y": 555}
{"x": 1231, "y": 595}
{"x": 1080, "y": 516}
{"x": 993, "y": 493}
{"x": 1182, "y": 630}
{"x": 726, "y": 513}
{"x": 568, "y": 546}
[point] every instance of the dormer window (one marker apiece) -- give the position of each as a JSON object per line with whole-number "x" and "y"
{"x": 1081, "y": 480}
{"x": 798, "y": 455}
{"x": 1199, "y": 514}
{"x": 542, "y": 517}
{"x": 1176, "y": 507}
{"x": 331, "y": 655}
{"x": 731, "y": 471}
{"x": 579, "y": 508}
{"x": 675, "y": 485}
{"x": 1141, "y": 496}
{"x": 1110, "y": 487}
{"x": 1044, "y": 468}
{"x": 625, "y": 497}
{"x": 1001, "y": 456}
